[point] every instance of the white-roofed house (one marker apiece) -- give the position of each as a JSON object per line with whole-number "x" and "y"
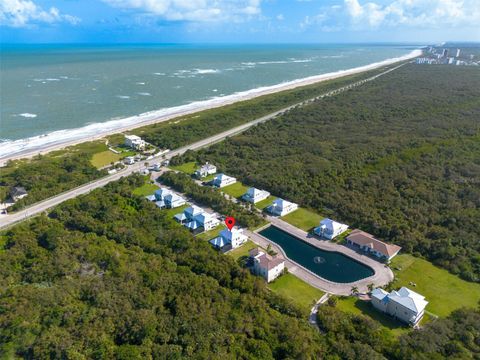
{"x": 205, "y": 170}
{"x": 282, "y": 207}
{"x": 168, "y": 199}
{"x": 404, "y": 304}
{"x": 330, "y": 229}
{"x": 135, "y": 142}
{"x": 229, "y": 239}
{"x": 222, "y": 180}
{"x": 255, "y": 195}
{"x": 269, "y": 267}
{"x": 197, "y": 220}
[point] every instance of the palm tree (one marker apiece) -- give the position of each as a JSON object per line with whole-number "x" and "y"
{"x": 354, "y": 290}
{"x": 370, "y": 287}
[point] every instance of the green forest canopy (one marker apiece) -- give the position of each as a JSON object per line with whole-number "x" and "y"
{"x": 109, "y": 275}
{"x": 398, "y": 157}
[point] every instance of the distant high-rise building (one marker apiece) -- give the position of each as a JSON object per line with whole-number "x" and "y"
{"x": 458, "y": 53}
{"x": 445, "y": 53}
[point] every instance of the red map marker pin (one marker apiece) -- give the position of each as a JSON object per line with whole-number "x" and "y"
{"x": 229, "y": 221}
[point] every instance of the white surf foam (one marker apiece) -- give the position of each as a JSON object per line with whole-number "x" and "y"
{"x": 122, "y": 96}
{"x": 59, "y": 137}
{"x": 28, "y": 115}
{"x": 144, "y": 94}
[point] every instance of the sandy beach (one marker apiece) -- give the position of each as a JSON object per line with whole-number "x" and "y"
{"x": 56, "y": 140}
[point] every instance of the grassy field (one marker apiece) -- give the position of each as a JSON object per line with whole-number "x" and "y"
{"x": 359, "y": 307}
{"x": 264, "y": 203}
{"x": 187, "y": 168}
{"x": 236, "y": 190}
{"x": 172, "y": 212}
{"x": 303, "y": 219}
{"x": 296, "y": 290}
{"x": 104, "y": 158}
{"x": 209, "y": 235}
{"x": 146, "y": 189}
{"x": 242, "y": 250}
{"x": 444, "y": 292}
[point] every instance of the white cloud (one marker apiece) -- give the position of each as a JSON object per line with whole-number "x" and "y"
{"x": 414, "y": 13}
{"x": 20, "y": 13}
{"x": 280, "y": 17}
{"x": 193, "y": 10}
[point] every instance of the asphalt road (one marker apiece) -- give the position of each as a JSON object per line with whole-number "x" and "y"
{"x": 10, "y": 219}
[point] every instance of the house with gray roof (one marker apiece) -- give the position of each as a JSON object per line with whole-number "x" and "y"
{"x": 405, "y": 305}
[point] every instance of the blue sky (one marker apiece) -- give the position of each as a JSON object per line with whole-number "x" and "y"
{"x": 242, "y": 21}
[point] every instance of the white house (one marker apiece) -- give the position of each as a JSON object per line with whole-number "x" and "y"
{"x": 197, "y": 220}
{"x": 18, "y": 192}
{"x": 129, "y": 160}
{"x": 232, "y": 239}
{"x": 165, "y": 198}
{"x": 269, "y": 267}
{"x": 254, "y": 195}
{"x": 135, "y": 142}
{"x": 404, "y": 304}
{"x": 330, "y": 229}
{"x": 205, "y": 170}
{"x": 282, "y": 207}
{"x": 222, "y": 180}
{"x": 368, "y": 243}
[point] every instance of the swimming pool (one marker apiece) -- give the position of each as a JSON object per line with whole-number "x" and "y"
{"x": 332, "y": 266}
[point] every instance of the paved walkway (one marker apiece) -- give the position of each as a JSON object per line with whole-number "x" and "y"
{"x": 382, "y": 276}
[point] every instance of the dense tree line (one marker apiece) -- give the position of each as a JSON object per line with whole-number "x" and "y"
{"x": 46, "y": 176}
{"x": 351, "y": 336}
{"x": 398, "y": 157}
{"x": 110, "y": 276}
{"x": 207, "y": 196}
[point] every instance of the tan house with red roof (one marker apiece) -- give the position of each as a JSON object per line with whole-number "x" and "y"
{"x": 367, "y": 242}
{"x": 269, "y": 267}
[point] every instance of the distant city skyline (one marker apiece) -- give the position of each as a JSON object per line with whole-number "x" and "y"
{"x": 238, "y": 21}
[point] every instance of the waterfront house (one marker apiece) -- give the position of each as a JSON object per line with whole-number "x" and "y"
{"x": 255, "y": 195}
{"x": 330, "y": 229}
{"x": 229, "y": 239}
{"x": 205, "y": 170}
{"x": 17, "y": 193}
{"x": 281, "y": 207}
{"x": 367, "y": 242}
{"x": 197, "y": 220}
{"x": 222, "y": 180}
{"x": 165, "y": 198}
{"x": 135, "y": 142}
{"x": 267, "y": 266}
{"x": 404, "y": 304}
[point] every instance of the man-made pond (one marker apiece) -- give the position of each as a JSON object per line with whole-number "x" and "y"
{"x": 332, "y": 266}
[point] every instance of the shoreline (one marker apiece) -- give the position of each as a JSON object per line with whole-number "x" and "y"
{"x": 60, "y": 139}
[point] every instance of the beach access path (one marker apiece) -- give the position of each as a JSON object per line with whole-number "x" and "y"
{"x": 42, "y": 206}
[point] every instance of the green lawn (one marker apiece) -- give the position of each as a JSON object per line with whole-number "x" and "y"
{"x": 360, "y": 307}
{"x": 146, "y": 189}
{"x": 187, "y": 168}
{"x": 209, "y": 235}
{"x": 264, "y": 203}
{"x": 242, "y": 250}
{"x": 296, "y": 290}
{"x": 444, "y": 292}
{"x": 104, "y": 158}
{"x": 236, "y": 190}
{"x": 303, "y": 219}
{"x": 172, "y": 212}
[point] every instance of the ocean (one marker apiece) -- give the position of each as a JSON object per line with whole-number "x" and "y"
{"x": 52, "y": 93}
